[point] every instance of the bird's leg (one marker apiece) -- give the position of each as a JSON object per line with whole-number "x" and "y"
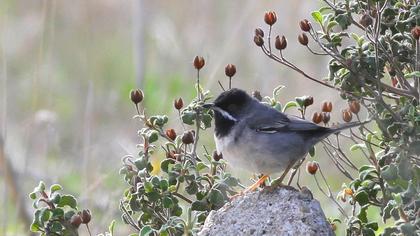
{"x": 277, "y": 182}
{"x": 295, "y": 170}
{"x": 251, "y": 188}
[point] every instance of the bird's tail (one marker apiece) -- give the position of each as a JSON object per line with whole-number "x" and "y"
{"x": 340, "y": 127}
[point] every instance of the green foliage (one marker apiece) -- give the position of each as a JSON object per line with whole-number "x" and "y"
{"x": 56, "y": 213}
{"x": 189, "y": 185}
{"x": 363, "y": 70}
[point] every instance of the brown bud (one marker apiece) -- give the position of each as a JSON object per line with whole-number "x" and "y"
{"x": 270, "y": 17}
{"x": 258, "y": 40}
{"x": 257, "y": 95}
{"x": 171, "y": 134}
{"x": 86, "y": 216}
{"x": 317, "y": 118}
{"x": 217, "y": 156}
{"x": 76, "y": 220}
{"x": 312, "y": 167}
{"x": 136, "y": 96}
{"x": 309, "y": 100}
{"x": 346, "y": 115}
{"x": 303, "y": 39}
{"x": 394, "y": 82}
{"x": 259, "y": 32}
{"x": 280, "y": 43}
{"x": 178, "y": 103}
{"x": 188, "y": 137}
{"x": 199, "y": 62}
{"x": 326, "y": 117}
{"x": 415, "y": 32}
{"x": 230, "y": 70}
{"x": 171, "y": 155}
{"x": 333, "y": 226}
{"x": 366, "y": 20}
{"x": 305, "y": 25}
{"x": 326, "y": 106}
{"x": 354, "y": 107}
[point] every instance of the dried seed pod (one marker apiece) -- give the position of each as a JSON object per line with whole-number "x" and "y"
{"x": 257, "y": 95}
{"x": 415, "y": 32}
{"x": 270, "y": 18}
{"x": 280, "y": 43}
{"x": 326, "y": 106}
{"x": 309, "y": 100}
{"x": 188, "y": 137}
{"x": 76, "y": 220}
{"x": 230, "y": 70}
{"x": 305, "y": 25}
{"x": 346, "y": 115}
{"x": 366, "y": 20}
{"x": 136, "y": 96}
{"x": 171, "y": 134}
{"x": 258, "y": 40}
{"x": 354, "y": 107}
{"x": 317, "y": 118}
{"x": 326, "y": 117}
{"x": 312, "y": 167}
{"x": 259, "y": 32}
{"x": 178, "y": 103}
{"x": 303, "y": 39}
{"x": 199, "y": 62}
{"x": 86, "y": 216}
{"x": 216, "y": 156}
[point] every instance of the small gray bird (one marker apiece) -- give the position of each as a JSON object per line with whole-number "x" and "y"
{"x": 261, "y": 139}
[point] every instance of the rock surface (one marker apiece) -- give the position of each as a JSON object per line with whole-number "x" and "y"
{"x": 284, "y": 211}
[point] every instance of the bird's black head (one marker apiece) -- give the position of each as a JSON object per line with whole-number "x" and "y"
{"x": 233, "y": 101}
{"x": 229, "y": 107}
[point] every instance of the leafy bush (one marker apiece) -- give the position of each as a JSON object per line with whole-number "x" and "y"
{"x": 374, "y": 54}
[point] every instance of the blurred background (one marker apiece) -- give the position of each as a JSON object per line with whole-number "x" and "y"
{"x": 66, "y": 69}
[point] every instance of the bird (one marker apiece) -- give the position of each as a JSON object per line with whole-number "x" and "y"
{"x": 261, "y": 139}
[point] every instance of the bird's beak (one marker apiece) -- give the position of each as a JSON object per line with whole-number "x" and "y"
{"x": 208, "y": 105}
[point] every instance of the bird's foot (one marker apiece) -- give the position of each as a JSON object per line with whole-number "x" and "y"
{"x": 250, "y": 188}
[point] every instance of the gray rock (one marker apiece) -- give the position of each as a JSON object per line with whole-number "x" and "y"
{"x": 284, "y": 211}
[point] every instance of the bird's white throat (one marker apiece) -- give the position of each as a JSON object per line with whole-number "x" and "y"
{"x": 225, "y": 114}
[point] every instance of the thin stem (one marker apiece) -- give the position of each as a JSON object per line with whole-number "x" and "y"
{"x": 182, "y": 197}
{"x": 88, "y": 229}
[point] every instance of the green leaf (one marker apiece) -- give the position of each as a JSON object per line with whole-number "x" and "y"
{"x": 68, "y": 200}
{"x": 167, "y": 202}
{"x": 148, "y": 187}
{"x": 360, "y": 146}
{"x": 331, "y": 24}
{"x": 390, "y": 173}
{"x": 201, "y": 166}
{"x": 164, "y": 185}
{"x": 362, "y": 198}
{"x": 146, "y": 231}
{"x": 111, "y": 227}
{"x": 317, "y": 16}
{"x": 44, "y": 215}
{"x": 312, "y": 151}
{"x": 290, "y": 104}
{"x": 57, "y": 213}
{"x": 412, "y": 74}
{"x": 216, "y": 197}
{"x": 192, "y": 188}
{"x": 35, "y": 227}
{"x": 32, "y": 195}
{"x": 153, "y": 136}
{"x": 199, "y": 206}
{"x": 363, "y": 214}
{"x": 55, "y": 187}
{"x": 164, "y": 165}
{"x": 372, "y": 225}
{"x": 56, "y": 227}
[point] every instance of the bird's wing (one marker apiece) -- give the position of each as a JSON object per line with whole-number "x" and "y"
{"x": 273, "y": 122}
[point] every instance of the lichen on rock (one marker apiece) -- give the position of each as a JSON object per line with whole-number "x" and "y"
{"x": 283, "y": 211}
